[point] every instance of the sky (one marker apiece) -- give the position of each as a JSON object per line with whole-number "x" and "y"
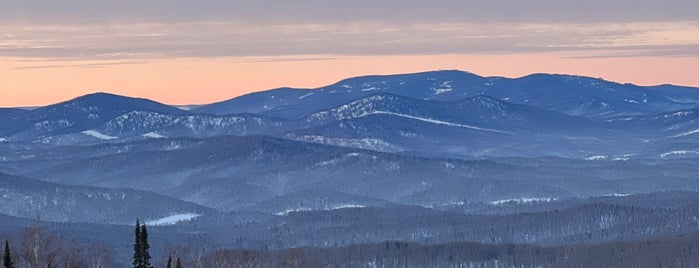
{"x": 194, "y": 52}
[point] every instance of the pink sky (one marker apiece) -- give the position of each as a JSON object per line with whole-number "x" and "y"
{"x": 197, "y": 81}
{"x": 195, "y": 52}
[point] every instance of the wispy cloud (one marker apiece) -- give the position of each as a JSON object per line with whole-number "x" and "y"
{"x": 82, "y": 65}
{"x": 133, "y": 41}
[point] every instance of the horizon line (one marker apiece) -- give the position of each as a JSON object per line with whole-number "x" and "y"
{"x": 31, "y": 107}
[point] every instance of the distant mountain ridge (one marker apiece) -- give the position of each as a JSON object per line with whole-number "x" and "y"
{"x": 77, "y": 114}
{"x": 572, "y": 95}
{"x": 441, "y": 112}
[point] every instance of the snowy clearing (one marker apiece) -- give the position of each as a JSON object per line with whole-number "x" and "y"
{"x": 438, "y": 122}
{"x": 596, "y": 157}
{"x": 616, "y": 195}
{"x": 174, "y": 219}
{"x": 686, "y": 133}
{"x": 676, "y": 153}
{"x": 523, "y": 200}
{"x": 153, "y": 135}
{"x": 301, "y": 209}
{"x": 98, "y": 135}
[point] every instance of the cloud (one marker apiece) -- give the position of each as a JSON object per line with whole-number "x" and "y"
{"x": 82, "y": 65}
{"x": 155, "y": 29}
{"x": 227, "y": 39}
{"x": 332, "y": 11}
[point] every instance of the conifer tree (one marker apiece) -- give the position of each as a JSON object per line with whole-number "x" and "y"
{"x": 7, "y": 260}
{"x": 137, "y": 253}
{"x": 169, "y": 262}
{"x": 178, "y": 263}
{"x": 145, "y": 248}
{"x": 141, "y": 248}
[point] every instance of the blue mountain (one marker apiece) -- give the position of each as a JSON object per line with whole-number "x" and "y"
{"x": 481, "y": 113}
{"x": 572, "y": 95}
{"x": 79, "y": 114}
{"x": 442, "y": 112}
{"x": 9, "y": 113}
{"x": 584, "y": 96}
{"x": 296, "y": 103}
{"x": 478, "y": 126}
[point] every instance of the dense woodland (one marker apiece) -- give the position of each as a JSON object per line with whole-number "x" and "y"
{"x": 38, "y": 247}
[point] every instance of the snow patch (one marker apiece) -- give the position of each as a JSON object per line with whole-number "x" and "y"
{"x": 407, "y": 134}
{"x": 619, "y": 158}
{"x": 286, "y": 212}
{"x": 616, "y": 195}
{"x": 362, "y": 143}
{"x": 347, "y": 206}
{"x": 596, "y": 157}
{"x": 172, "y": 146}
{"x": 173, "y": 219}
{"x": 301, "y": 209}
{"x": 451, "y": 203}
{"x": 153, "y": 135}
{"x": 98, "y": 135}
{"x": 443, "y": 88}
{"x": 438, "y": 122}
{"x": 370, "y": 89}
{"x": 327, "y": 162}
{"x": 678, "y": 114}
{"x": 676, "y": 153}
{"x": 523, "y": 201}
{"x": 2, "y": 139}
{"x": 686, "y": 133}
{"x": 309, "y": 94}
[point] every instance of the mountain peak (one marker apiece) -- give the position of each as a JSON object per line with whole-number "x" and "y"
{"x": 421, "y": 75}
{"x": 85, "y": 112}
{"x": 99, "y": 97}
{"x": 108, "y": 101}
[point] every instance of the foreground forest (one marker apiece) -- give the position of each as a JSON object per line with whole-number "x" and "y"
{"x": 40, "y": 247}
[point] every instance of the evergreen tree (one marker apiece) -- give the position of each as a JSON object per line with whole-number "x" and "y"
{"x": 145, "y": 248}
{"x": 141, "y": 248}
{"x": 169, "y": 262}
{"x": 178, "y": 264}
{"x": 137, "y": 253}
{"x": 7, "y": 260}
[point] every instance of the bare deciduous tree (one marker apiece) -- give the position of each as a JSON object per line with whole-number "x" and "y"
{"x": 40, "y": 248}
{"x": 197, "y": 256}
{"x": 99, "y": 256}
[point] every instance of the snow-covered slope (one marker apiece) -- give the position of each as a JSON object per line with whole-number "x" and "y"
{"x": 28, "y": 198}
{"x": 80, "y": 114}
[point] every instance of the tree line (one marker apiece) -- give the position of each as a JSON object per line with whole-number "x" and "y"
{"x": 42, "y": 249}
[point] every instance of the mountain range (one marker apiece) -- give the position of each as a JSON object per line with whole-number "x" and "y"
{"x": 435, "y": 113}
{"x": 558, "y": 158}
